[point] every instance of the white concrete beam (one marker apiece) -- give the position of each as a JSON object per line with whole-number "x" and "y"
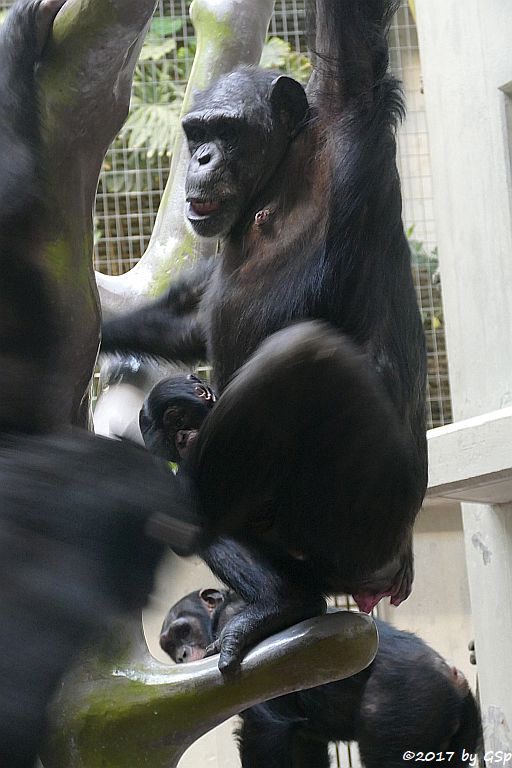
{"x": 471, "y": 460}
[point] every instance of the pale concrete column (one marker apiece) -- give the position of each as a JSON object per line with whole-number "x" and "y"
{"x": 488, "y": 534}
{"x": 467, "y": 69}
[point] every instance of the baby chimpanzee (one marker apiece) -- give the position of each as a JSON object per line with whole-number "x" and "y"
{"x": 172, "y": 414}
{"x": 409, "y": 700}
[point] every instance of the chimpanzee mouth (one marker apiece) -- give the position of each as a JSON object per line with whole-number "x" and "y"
{"x": 201, "y": 209}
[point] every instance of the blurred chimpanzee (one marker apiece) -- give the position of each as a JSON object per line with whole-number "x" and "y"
{"x": 169, "y": 327}
{"x": 75, "y": 514}
{"x": 74, "y": 509}
{"x": 315, "y": 454}
{"x": 172, "y": 414}
{"x": 408, "y": 700}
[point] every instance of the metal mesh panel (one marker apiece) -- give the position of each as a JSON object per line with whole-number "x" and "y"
{"x": 415, "y": 174}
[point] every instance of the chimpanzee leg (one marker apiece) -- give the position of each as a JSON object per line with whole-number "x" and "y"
{"x": 278, "y": 590}
{"x": 308, "y": 750}
{"x": 268, "y": 739}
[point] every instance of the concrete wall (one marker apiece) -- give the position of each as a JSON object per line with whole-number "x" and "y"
{"x": 466, "y": 54}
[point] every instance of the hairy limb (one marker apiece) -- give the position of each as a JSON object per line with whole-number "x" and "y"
{"x": 168, "y": 327}
{"x": 150, "y": 331}
{"x": 73, "y": 553}
{"x": 263, "y": 578}
{"x": 309, "y": 395}
{"x": 268, "y": 738}
{"x": 185, "y": 293}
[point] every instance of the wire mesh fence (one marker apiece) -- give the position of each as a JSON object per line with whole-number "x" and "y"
{"x": 137, "y": 165}
{"x": 416, "y": 178}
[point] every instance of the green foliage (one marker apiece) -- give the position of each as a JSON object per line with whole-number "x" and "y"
{"x": 425, "y": 268}
{"x": 155, "y": 108}
{"x": 278, "y": 54}
{"x": 157, "y": 96}
{"x": 420, "y": 257}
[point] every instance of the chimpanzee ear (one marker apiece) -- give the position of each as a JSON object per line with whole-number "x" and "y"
{"x": 288, "y": 98}
{"x": 211, "y": 598}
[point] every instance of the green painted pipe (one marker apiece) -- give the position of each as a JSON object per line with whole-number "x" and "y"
{"x": 84, "y": 90}
{"x": 120, "y": 708}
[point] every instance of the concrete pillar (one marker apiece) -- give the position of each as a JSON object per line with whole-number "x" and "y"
{"x": 467, "y": 68}
{"x": 488, "y": 533}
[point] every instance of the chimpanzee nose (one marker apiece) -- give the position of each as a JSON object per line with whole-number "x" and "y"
{"x": 207, "y": 157}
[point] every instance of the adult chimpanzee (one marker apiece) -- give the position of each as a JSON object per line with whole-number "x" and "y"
{"x": 408, "y": 700}
{"x": 172, "y": 414}
{"x": 315, "y": 454}
{"x": 74, "y": 509}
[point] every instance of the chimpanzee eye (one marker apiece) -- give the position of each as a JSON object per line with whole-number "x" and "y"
{"x": 180, "y": 422}
{"x": 171, "y": 416}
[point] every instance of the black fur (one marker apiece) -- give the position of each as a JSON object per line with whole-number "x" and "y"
{"x": 408, "y": 699}
{"x": 315, "y": 456}
{"x": 167, "y": 328}
{"x": 74, "y": 512}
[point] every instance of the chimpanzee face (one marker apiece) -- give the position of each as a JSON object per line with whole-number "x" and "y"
{"x": 187, "y": 630}
{"x": 237, "y": 133}
{"x": 172, "y": 414}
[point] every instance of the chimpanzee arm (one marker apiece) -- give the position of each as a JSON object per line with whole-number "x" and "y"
{"x": 169, "y": 327}
{"x": 185, "y": 293}
{"x": 22, "y": 37}
{"x": 152, "y": 331}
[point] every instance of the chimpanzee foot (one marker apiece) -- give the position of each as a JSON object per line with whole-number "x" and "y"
{"x": 392, "y": 581}
{"x": 254, "y": 624}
